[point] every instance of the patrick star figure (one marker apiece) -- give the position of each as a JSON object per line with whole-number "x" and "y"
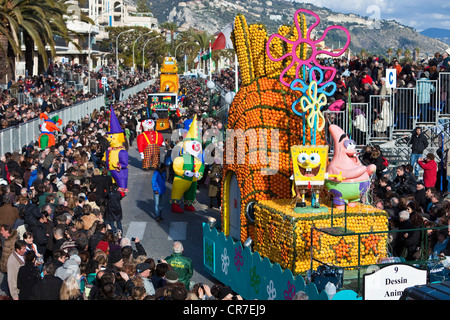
{"x": 356, "y": 176}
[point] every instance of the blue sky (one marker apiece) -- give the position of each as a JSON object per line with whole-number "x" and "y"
{"x": 418, "y": 14}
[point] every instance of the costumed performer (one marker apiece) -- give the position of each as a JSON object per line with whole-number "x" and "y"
{"x": 188, "y": 169}
{"x": 149, "y": 142}
{"x": 50, "y": 125}
{"x": 116, "y": 156}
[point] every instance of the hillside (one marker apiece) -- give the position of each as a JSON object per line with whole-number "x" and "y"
{"x": 437, "y": 33}
{"x": 374, "y": 36}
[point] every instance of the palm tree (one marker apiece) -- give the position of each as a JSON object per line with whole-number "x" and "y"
{"x": 407, "y": 54}
{"x": 399, "y": 53}
{"x": 389, "y": 52}
{"x": 417, "y": 51}
{"x": 38, "y": 22}
{"x": 172, "y": 27}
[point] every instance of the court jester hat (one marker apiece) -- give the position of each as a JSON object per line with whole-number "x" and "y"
{"x": 114, "y": 125}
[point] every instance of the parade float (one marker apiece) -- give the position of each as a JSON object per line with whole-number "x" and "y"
{"x": 287, "y": 208}
{"x": 166, "y": 100}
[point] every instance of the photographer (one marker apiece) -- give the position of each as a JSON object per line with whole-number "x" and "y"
{"x": 430, "y": 169}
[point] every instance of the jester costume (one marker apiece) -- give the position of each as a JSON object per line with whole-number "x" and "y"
{"x": 47, "y": 137}
{"x": 149, "y": 142}
{"x": 188, "y": 169}
{"x": 116, "y": 156}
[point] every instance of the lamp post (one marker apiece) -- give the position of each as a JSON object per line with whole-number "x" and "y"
{"x": 177, "y": 48}
{"x": 134, "y": 43}
{"x": 117, "y": 51}
{"x": 143, "y": 52}
{"x": 90, "y": 45}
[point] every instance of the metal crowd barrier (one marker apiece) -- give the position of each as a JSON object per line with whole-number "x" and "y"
{"x": 14, "y": 138}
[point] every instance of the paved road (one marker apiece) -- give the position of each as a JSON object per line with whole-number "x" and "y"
{"x": 158, "y": 237}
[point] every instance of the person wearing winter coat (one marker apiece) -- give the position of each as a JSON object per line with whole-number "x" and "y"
{"x": 48, "y": 287}
{"x": 404, "y": 182}
{"x": 71, "y": 267}
{"x": 418, "y": 144}
{"x": 215, "y": 178}
{"x": 430, "y": 169}
{"x": 159, "y": 189}
{"x": 8, "y": 213}
{"x": 28, "y": 275}
{"x": 113, "y": 213}
{"x": 8, "y": 239}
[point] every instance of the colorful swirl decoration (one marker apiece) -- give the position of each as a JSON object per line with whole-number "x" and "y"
{"x": 312, "y": 60}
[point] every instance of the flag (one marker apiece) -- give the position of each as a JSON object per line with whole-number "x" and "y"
{"x": 223, "y": 40}
{"x": 206, "y": 55}
{"x": 178, "y": 113}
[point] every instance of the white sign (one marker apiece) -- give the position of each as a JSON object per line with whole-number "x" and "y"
{"x": 104, "y": 80}
{"x": 391, "y": 78}
{"x": 389, "y": 282}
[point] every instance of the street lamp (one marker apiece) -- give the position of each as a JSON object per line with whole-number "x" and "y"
{"x": 134, "y": 43}
{"x": 117, "y": 50}
{"x": 177, "y": 48}
{"x": 143, "y": 51}
{"x": 90, "y": 45}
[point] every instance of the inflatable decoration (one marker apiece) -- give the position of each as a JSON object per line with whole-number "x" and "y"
{"x": 116, "y": 156}
{"x": 356, "y": 175}
{"x": 149, "y": 142}
{"x": 50, "y": 125}
{"x": 188, "y": 169}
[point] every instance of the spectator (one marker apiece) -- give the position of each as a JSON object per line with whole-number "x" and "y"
{"x": 8, "y": 213}
{"x": 49, "y": 287}
{"x": 143, "y": 273}
{"x": 28, "y": 275}
{"x": 418, "y": 144}
{"x": 430, "y": 168}
{"x": 15, "y": 261}
{"x": 404, "y": 182}
{"x": 113, "y": 214}
{"x": 70, "y": 289}
{"x": 181, "y": 264}
{"x": 9, "y": 237}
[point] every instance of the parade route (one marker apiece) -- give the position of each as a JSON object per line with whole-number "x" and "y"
{"x": 158, "y": 237}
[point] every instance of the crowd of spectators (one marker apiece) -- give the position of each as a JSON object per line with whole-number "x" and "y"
{"x": 61, "y": 86}
{"x": 56, "y": 243}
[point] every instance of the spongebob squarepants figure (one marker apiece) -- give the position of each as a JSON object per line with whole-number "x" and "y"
{"x": 310, "y": 171}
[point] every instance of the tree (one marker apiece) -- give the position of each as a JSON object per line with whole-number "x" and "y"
{"x": 389, "y": 52}
{"x": 39, "y": 21}
{"x": 399, "y": 53}
{"x": 142, "y": 6}
{"x": 172, "y": 27}
{"x": 417, "y": 51}
{"x": 407, "y": 54}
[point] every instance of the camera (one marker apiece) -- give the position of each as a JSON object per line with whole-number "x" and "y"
{"x": 133, "y": 239}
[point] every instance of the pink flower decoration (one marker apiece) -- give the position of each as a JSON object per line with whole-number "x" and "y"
{"x": 330, "y": 72}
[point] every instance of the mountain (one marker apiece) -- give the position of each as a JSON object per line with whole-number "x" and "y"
{"x": 375, "y": 36}
{"x": 439, "y": 34}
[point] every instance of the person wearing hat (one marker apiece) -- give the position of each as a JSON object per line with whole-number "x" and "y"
{"x": 188, "y": 168}
{"x": 149, "y": 143}
{"x": 143, "y": 272}
{"x": 181, "y": 264}
{"x": 172, "y": 281}
{"x": 116, "y": 156}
